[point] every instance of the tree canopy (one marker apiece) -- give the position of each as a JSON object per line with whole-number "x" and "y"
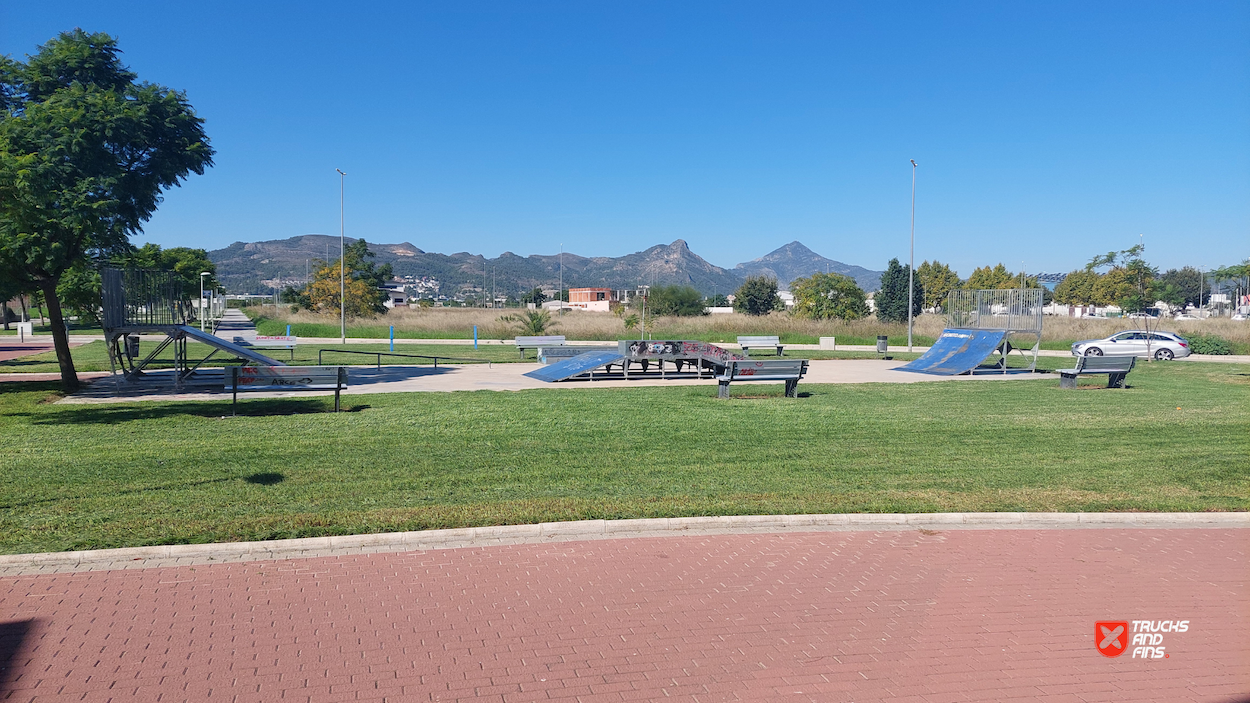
{"x": 825, "y": 296}
{"x": 938, "y": 280}
{"x": 683, "y": 301}
{"x": 85, "y": 152}
{"x": 360, "y": 287}
{"x": 757, "y": 296}
{"x": 891, "y": 300}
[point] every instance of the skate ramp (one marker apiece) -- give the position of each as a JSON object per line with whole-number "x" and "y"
{"x": 576, "y": 366}
{"x": 217, "y": 342}
{"x": 957, "y": 351}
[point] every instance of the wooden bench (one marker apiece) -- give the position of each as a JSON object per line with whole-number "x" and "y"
{"x": 749, "y": 343}
{"x": 284, "y": 379}
{"x": 1116, "y": 368}
{"x": 523, "y": 343}
{"x": 269, "y": 342}
{"x": 788, "y": 370}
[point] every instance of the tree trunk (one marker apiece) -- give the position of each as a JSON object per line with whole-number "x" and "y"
{"x": 40, "y": 303}
{"x": 25, "y": 311}
{"x": 60, "y": 337}
{"x": 4, "y": 313}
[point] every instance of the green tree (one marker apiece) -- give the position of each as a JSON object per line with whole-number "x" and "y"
{"x": 825, "y": 296}
{"x": 186, "y": 262}
{"x": 987, "y": 278}
{"x": 682, "y": 301}
{"x": 720, "y": 300}
{"x": 938, "y": 280}
{"x": 1113, "y": 287}
{"x": 757, "y": 296}
{"x": 85, "y": 152}
{"x": 79, "y": 292}
{"x": 1184, "y": 285}
{"x": 535, "y": 296}
{"x": 1077, "y": 288}
{"x": 891, "y": 300}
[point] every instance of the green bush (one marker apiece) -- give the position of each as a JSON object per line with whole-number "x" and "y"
{"x": 1208, "y": 344}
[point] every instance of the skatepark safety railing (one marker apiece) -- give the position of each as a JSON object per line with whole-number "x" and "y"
{"x": 379, "y": 356}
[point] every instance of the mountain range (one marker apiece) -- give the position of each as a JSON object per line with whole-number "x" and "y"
{"x": 242, "y": 267}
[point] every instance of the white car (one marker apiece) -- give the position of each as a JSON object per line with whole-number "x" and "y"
{"x": 1163, "y": 346}
{"x": 1183, "y": 316}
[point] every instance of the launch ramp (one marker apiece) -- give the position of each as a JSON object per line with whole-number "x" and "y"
{"x": 576, "y": 366}
{"x": 957, "y": 351}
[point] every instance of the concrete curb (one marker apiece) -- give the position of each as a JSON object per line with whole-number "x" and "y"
{"x": 226, "y": 552}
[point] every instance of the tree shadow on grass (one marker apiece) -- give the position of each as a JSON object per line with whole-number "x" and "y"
{"x": 122, "y": 492}
{"x": 126, "y": 412}
{"x": 13, "y": 636}
{"x": 7, "y": 387}
{"x": 267, "y": 478}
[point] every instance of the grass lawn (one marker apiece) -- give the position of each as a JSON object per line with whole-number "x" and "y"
{"x": 81, "y": 477}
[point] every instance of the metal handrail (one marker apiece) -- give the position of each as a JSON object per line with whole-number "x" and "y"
{"x": 488, "y": 362}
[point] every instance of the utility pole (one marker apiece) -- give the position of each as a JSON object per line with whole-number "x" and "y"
{"x": 342, "y": 267}
{"x": 911, "y": 262}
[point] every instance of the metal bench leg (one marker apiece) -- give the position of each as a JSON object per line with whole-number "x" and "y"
{"x": 792, "y": 388}
{"x": 723, "y": 390}
{"x": 1115, "y": 380}
{"x": 1067, "y": 381}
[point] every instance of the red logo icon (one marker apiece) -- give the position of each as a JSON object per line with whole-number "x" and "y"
{"x": 1111, "y": 637}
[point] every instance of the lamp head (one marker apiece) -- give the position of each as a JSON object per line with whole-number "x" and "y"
{"x": 913, "y": 163}
{"x": 340, "y": 171}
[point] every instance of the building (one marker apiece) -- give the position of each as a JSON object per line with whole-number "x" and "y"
{"x": 597, "y": 299}
{"x": 395, "y": 296}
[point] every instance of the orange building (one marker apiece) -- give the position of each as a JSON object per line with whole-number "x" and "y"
{"x": 590, "y": 298}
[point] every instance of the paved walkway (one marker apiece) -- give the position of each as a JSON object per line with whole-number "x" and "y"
{"x": 510, "y": 377}
{"x": 906, "y": 615}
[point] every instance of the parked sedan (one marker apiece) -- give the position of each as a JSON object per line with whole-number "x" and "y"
{"x": 1164, "y": 346}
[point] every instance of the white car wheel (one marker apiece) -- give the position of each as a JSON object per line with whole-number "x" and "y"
{"x": 1093, "y": 351}
{"x": 1164, "y": 355}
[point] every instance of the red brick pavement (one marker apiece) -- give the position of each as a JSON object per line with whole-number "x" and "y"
{"x": 12, "y": 349}
{"x": 978, "y": 615}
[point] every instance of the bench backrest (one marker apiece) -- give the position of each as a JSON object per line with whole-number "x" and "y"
{"x": 769, "y": 370}
{"x": 286, "y": 378}
{"x": 565, "y": 352}
{"x": 759, "y": 341}
{"x": 1106, "y": 363}
{"x": 555, "y": 340}
{"x": 268, "y": 342}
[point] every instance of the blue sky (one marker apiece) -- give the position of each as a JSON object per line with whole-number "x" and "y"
{"x": 1045, "y": 132}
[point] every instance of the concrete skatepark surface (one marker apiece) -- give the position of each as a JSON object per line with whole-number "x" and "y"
{"x": 509, "y": 377}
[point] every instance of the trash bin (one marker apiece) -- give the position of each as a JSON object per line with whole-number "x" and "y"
{"x": 132, "y": 345}
{"x": 883, "y": 344}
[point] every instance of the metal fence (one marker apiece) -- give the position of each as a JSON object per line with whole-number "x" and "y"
{"x": 1014, "y": 310}
{"x": 138, "y": 297}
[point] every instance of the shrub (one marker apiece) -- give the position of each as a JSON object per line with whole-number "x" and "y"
{"x": 1208, "y": 344}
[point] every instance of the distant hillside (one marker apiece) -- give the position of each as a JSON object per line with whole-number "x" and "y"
{"x": 242, "y": 266}
{"x": 796, "y": 261}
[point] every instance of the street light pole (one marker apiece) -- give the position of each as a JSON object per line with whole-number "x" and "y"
{"x": 911, "y": 262}
{"x": 342, "y": 267}
{"x": 202, "y": 314}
